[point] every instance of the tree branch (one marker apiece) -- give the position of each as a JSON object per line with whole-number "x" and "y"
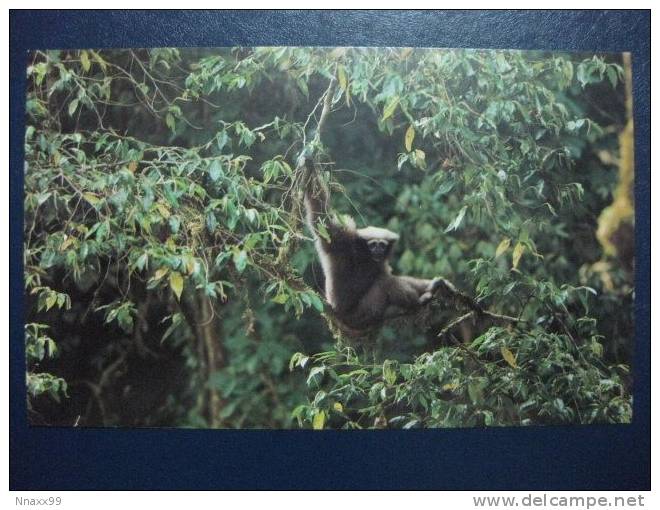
{"x": 309, "y": 148}
{"x": 447, "y": 290}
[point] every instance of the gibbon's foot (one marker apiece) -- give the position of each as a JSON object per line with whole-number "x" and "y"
{"x": 425, "y": 298}
{"x": 438, "y": 283}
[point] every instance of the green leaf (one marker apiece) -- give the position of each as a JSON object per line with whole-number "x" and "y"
{"x": 163, "y": 210}
{"x": 91, "y": 198}
{"x": 457, "y": 221}
{"x": 222, "y": 140}
{"x": 319, "y": 420}
{"x": 508, "y": 357}
{"x": 316, "y": 301}
{"x": 175, "y": 223}
{"x": 597, "y": 348}
{"x": 298, "y": 359}
{"x": 73, "y": 106}
{"x": 176, "y": 284}
{"x": 517, "y": 254}
{"x": 280, "y": 299}
{"x": 506, "y": 290}
{"x": 100, "y": 60}
{"x": 84, "y": 60}
{"x": 389, "y": 375}
{"x": 612, "y": 76}
{"x": 410, "y": 136}
{"x": 170, "y": 121}
{"x": 445, "y": 187}
{"x": 502, "y": 247}
{"x": 160, "y": 273}
{"x": 240, "y": 260}
{"x": 251, "y": 214}
{"x": 51, "y": 299}
{"x": 420, "y": 158}
{"x": 141, "y": 262}
{"x": 215, "y": 170}
{"x": 475, "y": 392}
{"x": 390, "y": 107}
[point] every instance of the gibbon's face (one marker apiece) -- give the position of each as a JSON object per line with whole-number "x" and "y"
{"x": 379, "y": 241}
{"x": 379, "y": 249}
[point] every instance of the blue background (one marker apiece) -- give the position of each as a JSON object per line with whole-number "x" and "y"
{"x": 579, "y": 457}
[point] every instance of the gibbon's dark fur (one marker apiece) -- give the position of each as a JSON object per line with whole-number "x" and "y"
{"x": 359, "y": 284}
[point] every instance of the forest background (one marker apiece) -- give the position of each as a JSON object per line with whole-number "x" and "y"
{"x": 170, "y": 282}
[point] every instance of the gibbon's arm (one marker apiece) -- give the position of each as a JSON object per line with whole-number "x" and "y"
{"x": 317, "y": 205}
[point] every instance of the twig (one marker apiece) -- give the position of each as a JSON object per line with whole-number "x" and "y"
{"x": 469, "y": 302}
{"x": 455, "y": 323}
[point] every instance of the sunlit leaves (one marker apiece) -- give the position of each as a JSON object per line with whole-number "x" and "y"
{"x": 319, "y": 420}
{"x": 447, "y": 389}
{"x": 38, "y": 344}
{"x": 176, "y": 283}
{"x": 409, "y": 137}
{"x": 502, "y": 247}
{"x": 456, "y": 222}
{"x": 508, "y": 357}
{"x": 280, "y": 299}
{"x": 84, "y": 61}
{"x": 170, "y": 122}
{"x": 298, "y": 360}
{"x": 141, "y": 262}
{"x": 240, "y": 260}
{"x": 390, "y": 108}
{"x": 91, "y": 198}
{"x": 45, "y": 383}
{"x": 518, "y": 251}
{"x": 121, "y": 312}
{"x": 274, "y": 168}
{"x": 612, "y": 75}
{"x": 47, "y": 298}
{"x": 389, "y": 373}
{"x": 215, "y": 170}
{"x": 73, "y": 106}
{"x": 419, "y": 157}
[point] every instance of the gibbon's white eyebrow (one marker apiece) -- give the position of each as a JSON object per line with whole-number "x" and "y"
{"x": 377, "y": 233}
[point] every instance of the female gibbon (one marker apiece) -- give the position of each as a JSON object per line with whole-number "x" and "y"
{"x": 359, "y": 284}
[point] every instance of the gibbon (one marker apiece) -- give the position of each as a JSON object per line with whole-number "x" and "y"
{"x": 359, "y": 284}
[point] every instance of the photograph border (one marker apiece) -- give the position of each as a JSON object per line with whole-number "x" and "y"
{"x": 594, "y": 457}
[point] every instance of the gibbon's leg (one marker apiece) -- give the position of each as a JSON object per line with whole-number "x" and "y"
{"x": 424, "y": 288}
{"x": 421, "y": 285}
{"x": 406, "y": 292}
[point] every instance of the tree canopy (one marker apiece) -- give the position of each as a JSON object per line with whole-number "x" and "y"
{"x": 170, "y": 281}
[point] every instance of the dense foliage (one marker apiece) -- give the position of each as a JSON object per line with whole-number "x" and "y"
{"x": 169, "y": 279}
